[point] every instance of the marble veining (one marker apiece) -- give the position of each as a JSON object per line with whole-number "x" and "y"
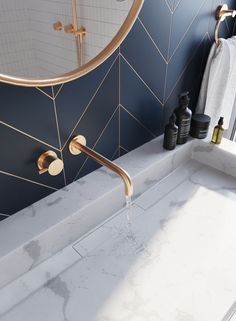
{"x": 33, "y": 249}
{"x": 32, "y": 210}
{"x": 56, "y": 201}
{"x": 40, "y": 276}
{"x": 59, "y": 288}
{"x": 175, "y": 261}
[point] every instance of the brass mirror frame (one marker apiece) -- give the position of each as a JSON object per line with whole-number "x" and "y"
{"x": 91, "y": 65}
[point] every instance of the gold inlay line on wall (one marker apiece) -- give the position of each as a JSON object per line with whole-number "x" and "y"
{"x": 56, "y": 119}
{"x": 126, "y": 150}
{"x": 119, "y": 132}
{"x": 64, "y": 171}
{"x": 44, "y": 93}
{"x": 138, "y": 121}
{"x": 27, "y": 180}
{"x": 90, "y": 101}
{"x": 5, "y": 215}
{"x": 119, "y": 57}
{"x": 186, "y": 66}
{"x": 98, "y": 139}
{"x": 143, "y": 81}
{"x": 152, "y": 40}
{"x": 186, "y": 31}
{"x": 80, "y": 170}
{"x": 118, "y": 108}
{"x": 28, "y": 135}
{"x": 58, "y": 149}
{"x": 168, "y": 54}
{"x": 59, "y": 90}
{"x": 177, "y": 5}
{"x": 114, "y": 154}
{"x": 168, "y": 6}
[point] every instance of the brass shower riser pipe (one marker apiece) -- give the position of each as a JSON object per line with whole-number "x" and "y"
{"x": 79, "y": 33}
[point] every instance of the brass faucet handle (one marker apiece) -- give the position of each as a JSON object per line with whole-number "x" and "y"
{"x": 49, "y": 162}
{"x": 57, "y": 26}
{"x": 69, "y": 28}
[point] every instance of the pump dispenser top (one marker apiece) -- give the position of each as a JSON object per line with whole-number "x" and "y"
{"x": 184, "y": 99}
{"x": 221, "y": 121}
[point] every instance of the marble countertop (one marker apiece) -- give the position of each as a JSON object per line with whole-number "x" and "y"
{"x": 171, "y": 256}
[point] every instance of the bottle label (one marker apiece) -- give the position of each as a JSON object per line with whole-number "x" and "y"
{"x": 184, "y": 128}
{"x": 203, "y": 133}
{"x": 170, "y": 140}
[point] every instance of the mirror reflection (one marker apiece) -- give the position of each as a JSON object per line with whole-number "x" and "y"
{"x": 41, "y": 39}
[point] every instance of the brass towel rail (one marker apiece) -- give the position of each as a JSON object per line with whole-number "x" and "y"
{"x": 221, "y": 13}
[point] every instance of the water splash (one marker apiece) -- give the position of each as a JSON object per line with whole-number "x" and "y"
{"x": 128, "y": 209}
{"x": 138, "y": 245}
{"x": 128, "y": 201}
{"x": 129, "y": 212}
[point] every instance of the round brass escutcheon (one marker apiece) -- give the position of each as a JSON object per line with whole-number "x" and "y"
{"x": 74, "y": 147}
{"x": 49, "y": 162}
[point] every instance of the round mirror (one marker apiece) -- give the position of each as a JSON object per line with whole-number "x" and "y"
{"x": 48, "y": 42}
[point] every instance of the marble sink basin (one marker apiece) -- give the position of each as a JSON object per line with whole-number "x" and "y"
{"x": 174, "y": 261}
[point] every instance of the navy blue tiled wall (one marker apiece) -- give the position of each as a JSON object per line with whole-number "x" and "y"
{"x": 119, "y": 106}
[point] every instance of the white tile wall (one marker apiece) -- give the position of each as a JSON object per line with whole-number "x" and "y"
{"x": 102, "y": 20}
{"x": 16, "y": 56}
{"x": 30, "y": 47}
{"x": 54, "y": 51}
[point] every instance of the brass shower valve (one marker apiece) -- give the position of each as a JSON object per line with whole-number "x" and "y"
{"x": 49, "y": 162}
{"x": 78, "y": 33}
{"x": 58, "y": 26}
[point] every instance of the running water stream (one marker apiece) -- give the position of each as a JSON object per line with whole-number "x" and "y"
{"x": 132, "y": 236}
{"x": 129, "y": 216}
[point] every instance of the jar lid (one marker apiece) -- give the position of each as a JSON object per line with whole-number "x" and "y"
{"x": 200, "y": 120}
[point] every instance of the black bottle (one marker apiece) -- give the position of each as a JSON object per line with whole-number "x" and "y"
{"x": 183, "y": 118}
{"x": 170, "y": 136}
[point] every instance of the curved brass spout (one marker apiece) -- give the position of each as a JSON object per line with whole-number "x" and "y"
{"x": 78, "y": 145}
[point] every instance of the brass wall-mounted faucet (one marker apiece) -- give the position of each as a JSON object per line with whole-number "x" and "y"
{"x": 49, "y": 162}
{"x": 78, "y": 145}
